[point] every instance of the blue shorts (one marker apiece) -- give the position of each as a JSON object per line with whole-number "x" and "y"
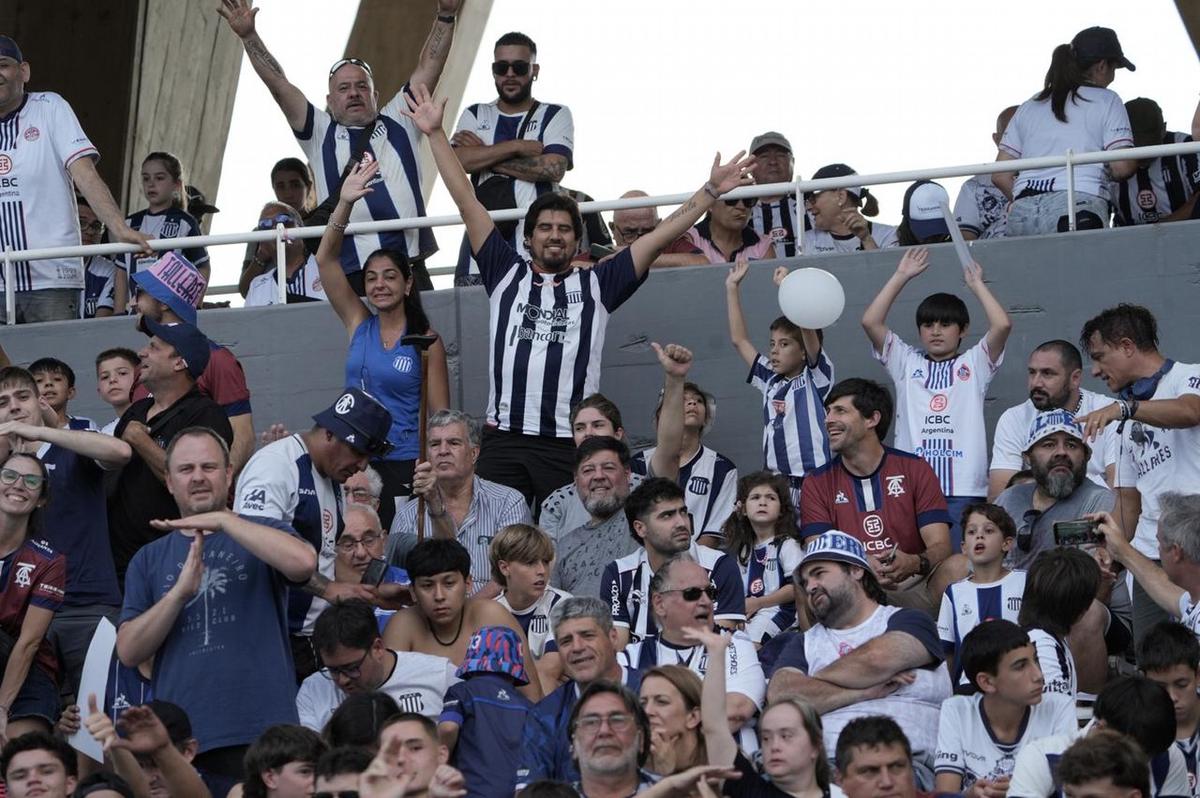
{"x": 38, "y": 698}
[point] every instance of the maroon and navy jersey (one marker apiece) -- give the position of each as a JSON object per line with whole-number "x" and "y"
{"x": 33, "y": 575}
{"x": 884, "y": 509}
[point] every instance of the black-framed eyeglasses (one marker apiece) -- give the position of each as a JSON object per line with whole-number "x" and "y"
{"x": 747, "y": 202}
{"x": 279, "y": 218}
{"x": 633, "y": 233}
{"x": 694, "y": 593}
{"x": 351, "y": 671}
{"x": 348, "y": 545}
{"x": 92, "y": 227}
{"x": 358, "y": 62}
{"x": 519, "y": 68}
{"x": 11, "y": 477}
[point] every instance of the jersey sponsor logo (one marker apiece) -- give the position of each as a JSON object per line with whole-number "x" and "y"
{"x": 939, "y": 402}
{"x": 544, "y": 315}
{"x": 21, "y": 574}
{"x": 1146, "y": 199}
{"x": 519, "y": 333}
{"x": 919, "y": 374}
{"x": 6, "y": 164}
{"x": 964, "y": 372}
{"x": 895, "y": 485}
{"x": 841, "y": 498}
{"x": 873, "y": 525}
{"x": 403, "y": 363}
{"x": 32, "y": 133}
{"x": 756, "y": 587}
{"x": 326, "y": 521}
{"x": 344, "y": 404}
{"x": 778, "y": 234}
{"x": 698, "y": 486}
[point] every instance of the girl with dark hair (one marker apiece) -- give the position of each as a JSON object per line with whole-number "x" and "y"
{"x": 1074, "y": 110}
{"x": 292, "y": 182}
{"x": 33, "y": 579}
{"x": 837, "y": 217}
{"x": 379, "y": 362}
{"x": 761, "y": 534}
{"x": 921, "y": 220}
{"x": 165, "y": 214}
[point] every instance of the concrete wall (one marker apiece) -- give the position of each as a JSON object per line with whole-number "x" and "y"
{"x": 293, "y": 356}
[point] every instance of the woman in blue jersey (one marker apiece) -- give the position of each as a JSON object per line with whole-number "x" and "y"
{"x": 164, "y": 215}
{"x": 377, "y": 361}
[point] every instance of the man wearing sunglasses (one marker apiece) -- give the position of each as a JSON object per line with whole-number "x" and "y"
{"x": 725, "y": 234}
{"x": 332, "y": 139}
{"x": 630, "y": 224}
{"x": 303, "y": 276}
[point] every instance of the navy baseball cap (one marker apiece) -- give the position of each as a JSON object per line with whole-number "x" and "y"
{"x": 9, "y": 49}
{"x": 923, "y": 209}
{"x": 360, "y": 420}
{"x": 189, "y": 342}
{"x": 1100, "y": 44}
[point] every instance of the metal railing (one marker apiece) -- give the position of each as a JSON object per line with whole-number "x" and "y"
{"x": 281, "y": 235}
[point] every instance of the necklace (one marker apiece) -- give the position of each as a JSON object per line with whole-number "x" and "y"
{"x": 453, "y": 640}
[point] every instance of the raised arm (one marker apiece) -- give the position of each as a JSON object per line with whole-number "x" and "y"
{"x": 346, "y": 304}
{"x": 432, "y": 59}
{"x": 676, "y": 361}
{"x": 721, "y": 179}
{"x": 139, "y": 638}
{"x": 1181, "y": 412}
{"x": 811, "y": 338}
{"x": 290, "y": 99}
{"x": 1152, "y": 578}
{"x": 426, "y": 114}
{"x": 288, "y": 554}
{"x": 999, "y": 324}
{"x": 874, "y": 320}
{"x": 718, "y": 739}
{"x": 737, "y": 321}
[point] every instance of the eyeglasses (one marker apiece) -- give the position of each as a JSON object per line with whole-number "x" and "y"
{"x": 618, "y": 722}
{"x": 279, "y": 218}
{"x": 633, "y": 233}
{"x": 348, "y": 545}
{"x": 694, "y": 593}
{"x": 94, "y": 227}
{"x": 358, "y": 62}
{"x": 361, "y": 493}
{"x": 338, "y": 794}
{"x": 519, "y": 68}
{"x": 747, "y": 202}
{"x": 31, "y": 481}
{"x": 351, "y": 671}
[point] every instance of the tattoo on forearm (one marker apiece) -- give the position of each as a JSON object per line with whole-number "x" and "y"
{"x": 536, "y": 169}
{"x": 437, "y": 38}
{"x": 683, "y": 210}
{"x": 317, "y": 584}
{"x": 258, "y": 54}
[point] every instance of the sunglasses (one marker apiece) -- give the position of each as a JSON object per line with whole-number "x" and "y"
{"x": 358, "y": 62}
{"x": 281, "y": 218}
{"x": 747, "y": 202}
{"x": 694, "y": 593}
{"x": 338, "y": 794}
{"x": 10, "y": 477}
{"x": 519, "y": 68}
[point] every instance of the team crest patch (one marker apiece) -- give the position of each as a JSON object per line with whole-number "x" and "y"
{"x": 32, "y": 133}
{"x": 964, "y": 372}
{"x": 779, "y": 406}
{"x": 5, "y": 164}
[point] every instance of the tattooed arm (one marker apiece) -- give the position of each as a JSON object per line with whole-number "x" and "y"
{"x": 240, "y": 16}
{"x": 539, "y": 169}
{"x": 432, "y": 59}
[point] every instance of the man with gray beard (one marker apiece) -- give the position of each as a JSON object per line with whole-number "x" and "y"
{"x": 1058, "y": 457}
{"x": 602, "y": 482}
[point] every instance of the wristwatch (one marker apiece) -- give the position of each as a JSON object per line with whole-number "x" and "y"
{"x": 923, "y": 566}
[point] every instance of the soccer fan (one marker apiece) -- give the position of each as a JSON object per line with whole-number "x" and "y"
{"x": 364, "y": 488}
{"x": 610, "y": 735}
{"x": 1046, "y": 124}
{"x": 888, "y": 499}
{"x": 838, "y": 223}
{"x": 921, "y": 219}
{"x": 515, "y": 148}
{"x": 38, "y": 764}
{"x": 990, "y": 591}
{"x": 980, "y": 735}
{"x": 281, "y": 763}
{"x": 233, "y": 567}
{"x": 354, "y": 660}
{"x": 295, "y": 481}
{"x": 874, "y": 759}
{"x": 339, "y": 769}
{"x": 303, "y": 278}
{"x": 587, "y": 641}
{"x": 411, "y": 762}
{"x": 658, "y": 520}
{"x": 1158, "y": 418}
{"x": 546, "y": 349}
{"x": 1059, "y": 588}
{"x": 724, "y": 235}
{"x": 335, "y": 139}
{"x": 1104, "y": 764}
{"x": 105, "y": 283}
{"x": 166, "y": 215}
{"x": 155, "y": 747}
{"x": 776, "y": 218}
{"x": 630, "y": 224}
{"x": 940, "y": 388}
{"x": 56, "y": 387}
{"x": 981, "y": 209}
{"x": 670, "y": 695}
{"x": 520, "y": 557}
{"x": 292, "y": 183}
{"x": 1055, "y": 371}
{"x": 55, "y": 153}
{"x": 358, "y": 547}
{"x": 860, "y": 657}
{"x": 1162, "y": 189}
{"x": 116, "y": 371}
{"x": 1169, "y": 655}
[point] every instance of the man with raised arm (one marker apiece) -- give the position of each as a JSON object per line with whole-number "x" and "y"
{"x": 332, "y": 139}
{"x": 547, "y": 318}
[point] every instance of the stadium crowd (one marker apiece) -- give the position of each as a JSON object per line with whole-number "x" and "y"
{"x": 403, "y": 599}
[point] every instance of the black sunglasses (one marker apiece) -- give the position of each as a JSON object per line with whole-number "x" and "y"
{"x": 358, "y": 62}
{"x": 338, "y": 794}
{"x": 747, "y": 202}
{"x": 694, "y": 593}
{"x": 519, "y": 68}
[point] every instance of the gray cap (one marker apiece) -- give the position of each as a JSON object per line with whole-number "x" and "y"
{"x": 768, "y": 138}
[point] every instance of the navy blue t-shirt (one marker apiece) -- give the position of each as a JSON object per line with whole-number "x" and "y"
{"x": 490, "y": 713}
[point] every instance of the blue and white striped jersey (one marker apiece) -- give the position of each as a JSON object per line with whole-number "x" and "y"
{"x": 709, "y": 482}
{"x": 966, "y": 604}
{"x": 794, "y": 438}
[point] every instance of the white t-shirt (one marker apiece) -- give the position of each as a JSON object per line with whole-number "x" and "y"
{"x": 1057, "y": 663}
{"x": 264, "y": 289}
{"x": 981, "y": 208}
{"x": 939, "y": 410}
{"x": 967, "y": 746}
{"x": 1096, "y": 121}
{"x": 966, "y": 604}
{"x": 1156, "y": 460}
{"x": 535, "y": 619}
{"x": 823, "y": 242}
{"x": 38, "y": 143}
{"x": 1012, "y": 433}
{"x": 417, "y": 683}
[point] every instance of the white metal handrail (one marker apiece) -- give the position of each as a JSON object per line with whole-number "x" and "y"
{"x": 798, "y": 187}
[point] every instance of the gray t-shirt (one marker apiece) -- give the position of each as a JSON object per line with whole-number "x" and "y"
{"x": 563, "y": 510}
{"x": 583, "y": 553}
{"x": 1038, "y": 528}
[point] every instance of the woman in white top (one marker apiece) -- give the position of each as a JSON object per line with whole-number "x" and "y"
{"x": 838, "y": 217}
{"x": 1075, "y": 111}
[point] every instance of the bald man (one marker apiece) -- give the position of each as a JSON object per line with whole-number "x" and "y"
{"x": 630, "y": 225}
{"x": 982, "y": 209}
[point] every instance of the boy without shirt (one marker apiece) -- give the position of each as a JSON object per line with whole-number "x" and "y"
{"x": 116, "y": 371}
{"x": 1169, "y": 654}
{"x": 443, "y": 620}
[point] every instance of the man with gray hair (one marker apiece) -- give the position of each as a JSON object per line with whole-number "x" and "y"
{"x": 587, "y": 641}
{"x": 459, "y": 504}
{"x": 365, "y": 487}
{"x": 1175, "y": 586}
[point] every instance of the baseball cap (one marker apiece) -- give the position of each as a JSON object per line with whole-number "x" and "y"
{"x": 1049, "y": 422}
{"x": 836, "y": 170}
{"x": 179, "y": 726}
{"x": 358, "y": 419}
{"x": 1146, "y": 120}
{"x": 198, "y": 204}
{"x": 923, "y": 209}
{"x": 174, "y": 281}
{"x": 1100, "y": 44}
{"x": 494, "y": 649}
{"x": 769, "y": 138}
{"x": 9, "y": 49}
{"x": 836, "y": 546}
{"x": 187, "y": 339}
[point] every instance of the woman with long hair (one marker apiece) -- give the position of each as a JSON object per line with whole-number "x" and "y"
{"x": 670, "y": 694}
{"x": 379, "y": 362}
{"x": 1074, "y": 110}
{"x": 838, "y": 217}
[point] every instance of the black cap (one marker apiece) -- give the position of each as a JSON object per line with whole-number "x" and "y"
{"x": 198, "y": 204}
{"x": 1100, "y": 44}
{"x": 359, "y": 420}
{"x": 837, "y": 170}
{"x": 179, "y": 726}
{"x": 1146, "y": 120}
{"x": 189, "y": 342}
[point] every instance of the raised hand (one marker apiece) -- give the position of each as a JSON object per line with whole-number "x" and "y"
{"x": 382, "y": 778}
{"x": 143, "y": 732}
{"x": 240, "y": 16}
{"x": 779, "y": 275}
{"x": 191, "y": 576}
{"x": 100, "y": 725}
{"x": 425, "y": 112}
{"x": 915, "y": 261}
{"x": 973, "y": 275}
{"x": 737, "y": 273}
{"x": 356, "y": 184}
{"x": 676, "y": 360}
{"x": 711, "y": 640}
{"x": 727, "y": 177}
{"x": 204, "y": 522}
{"x": 272, "y": 434}
{"x": 447, "y": 782}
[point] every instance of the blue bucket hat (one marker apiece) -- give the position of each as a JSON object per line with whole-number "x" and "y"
{"x": 494, "y": 649}
{"x": 174, "y": 281}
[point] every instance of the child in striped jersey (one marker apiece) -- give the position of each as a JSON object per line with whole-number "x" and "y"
{"x": 165, "y": 215}
{"x": 990, "y": 592}
{"x": 1169, "y": 654}
{"x": 1059, "y": 588}
{"x": 761, "y": 534}
{"x": 794, "y": 379}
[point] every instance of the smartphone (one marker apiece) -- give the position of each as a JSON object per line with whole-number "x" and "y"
{"x": 600, "y": 251}
{"x": 1077, "y": 533}
{"x": 376, "y": 569}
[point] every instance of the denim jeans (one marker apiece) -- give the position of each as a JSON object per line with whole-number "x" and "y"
{"x": 46, "y": 304}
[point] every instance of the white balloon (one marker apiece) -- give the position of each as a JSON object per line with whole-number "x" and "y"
{"x": 811, "y": 298}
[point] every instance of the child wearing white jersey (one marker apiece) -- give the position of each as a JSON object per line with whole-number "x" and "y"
{"x": 521, "y": 555}
{"x": 940, "y": 389}
{"x": 1169, "y": 655}
{"x": 1059, "y": 588}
